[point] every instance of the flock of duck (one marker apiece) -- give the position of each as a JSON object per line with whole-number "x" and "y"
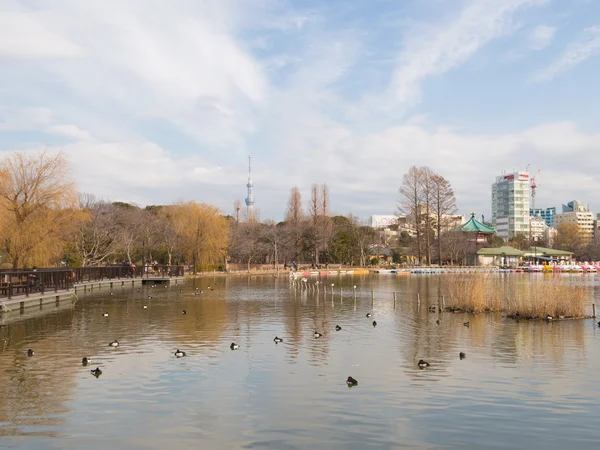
{"x": 351, "y": 382}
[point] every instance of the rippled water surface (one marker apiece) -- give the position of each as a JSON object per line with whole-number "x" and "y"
{"x": 522, "y": 385}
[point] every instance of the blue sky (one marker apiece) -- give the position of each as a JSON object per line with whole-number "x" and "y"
{"x": 155, "y": 102}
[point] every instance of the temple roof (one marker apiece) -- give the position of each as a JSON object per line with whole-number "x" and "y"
{"x": 475, "y": 226}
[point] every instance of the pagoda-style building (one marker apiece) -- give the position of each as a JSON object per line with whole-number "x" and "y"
{"x": 478, "y": 233}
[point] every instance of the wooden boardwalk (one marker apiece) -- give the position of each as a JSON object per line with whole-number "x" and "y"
{"x": 18, "y": 303}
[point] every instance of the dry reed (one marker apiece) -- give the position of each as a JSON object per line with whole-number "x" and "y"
{"x": 472, "y": 292}
{"x": 554, "y": 296}
{"x": 517, "y": 297}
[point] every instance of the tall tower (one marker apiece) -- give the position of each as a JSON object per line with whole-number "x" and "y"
{"x": 250, "y": 197}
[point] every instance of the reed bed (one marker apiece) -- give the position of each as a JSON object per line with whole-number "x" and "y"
{"x": 531, "y": 299}
{"x": 472, "y": 292}
{"x": 555, "y": 297}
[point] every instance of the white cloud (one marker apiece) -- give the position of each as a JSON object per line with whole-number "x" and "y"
{"x": 23, "y": 35}
{"x": 541, "y": 36}
{"x": 434, "y": 50}
{"x": 70, "y": 131}
{"x": 24, "y": 119}
{"x": 587, "y": 46}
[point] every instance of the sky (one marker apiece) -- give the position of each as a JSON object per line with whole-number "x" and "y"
{"x": 155, "y": 102}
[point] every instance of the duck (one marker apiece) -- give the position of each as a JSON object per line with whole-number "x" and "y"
{"x": 369, "y": 315}
{"x": 338, "y": 328}
{"x": 30, "y": 352}
{"x": 466, "y": 324}
{"x": 277, "y": 340}
{"x": 351, "y": 382}
{"x": 462, "y": 355}
{"x": 374, "y": 323}
{"x": 423, "y": 364}
{"x": 549, "y": 317}
{"x": 85, "y": 361}
{"x": 149, "y": 297}
{"x": 145, "y": 306}
{"x": 234, "y": 346}
{"x": 105, "y": 315}
{"x": 114, "y": 343}
{"x": 317, "y": 335}
{"x": 517, "y": 314}
{"x": 184, "y": 312}
{"x": 96, "y": 372}
{"x": 599, "y": 324}
{"x": 179, "y": 353}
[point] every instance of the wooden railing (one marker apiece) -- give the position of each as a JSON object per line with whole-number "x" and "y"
{"x": 43, "y": 280}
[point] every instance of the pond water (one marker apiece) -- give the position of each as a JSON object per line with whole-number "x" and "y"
{"x": 522, "y": 385}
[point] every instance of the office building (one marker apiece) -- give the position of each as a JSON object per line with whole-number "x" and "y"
{"x": 576, "y": 213}
{"x": 510, "y": 205}
{"x": 546, "y": 214}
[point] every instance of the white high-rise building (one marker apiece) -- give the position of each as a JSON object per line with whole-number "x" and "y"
{"x": 510, "y": 205}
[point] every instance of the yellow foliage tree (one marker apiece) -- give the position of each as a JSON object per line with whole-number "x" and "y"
{"x": 204, "y": 232}
{"x": 38, "y": 207}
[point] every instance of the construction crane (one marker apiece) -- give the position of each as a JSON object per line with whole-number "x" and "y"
{"x": 533, "y": 185}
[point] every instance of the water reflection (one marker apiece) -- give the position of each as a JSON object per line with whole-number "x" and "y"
{"x": 517, "y": 377}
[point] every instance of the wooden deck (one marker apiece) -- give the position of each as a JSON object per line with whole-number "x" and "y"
{"x": 19, "y": 303}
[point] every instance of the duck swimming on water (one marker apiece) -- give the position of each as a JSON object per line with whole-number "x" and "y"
{"x": 351, "y": 382}
{"x": 30, "y": 352}
{"x": 369, "y": 315}
{"x": 85, "y": 361}
{"x": 114, "y": 343}
{"x": 277, "y": 340}
{"x": 462, "y": 355}
{"x": 317, "y": 335}
{"x": 423, "y": 364}
{"x": 179, "y": 353}
{"x": 234, "y": 346}
{"x": 338, "y": 328}
{"x": 96, "y": 372}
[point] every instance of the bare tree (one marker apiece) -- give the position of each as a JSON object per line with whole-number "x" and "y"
{"x": 237, "y": 205}
{"x": 443, "y": 205}
{"x": 247, "y": 242}
{"x": 326, "y": 224}
{"x": 363, "y": 236}
{"x": 312, "y": 231}
{"x": 294, "y": 221}
{"x": 95, "y": 241}
{"x": 411, "y": 203}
